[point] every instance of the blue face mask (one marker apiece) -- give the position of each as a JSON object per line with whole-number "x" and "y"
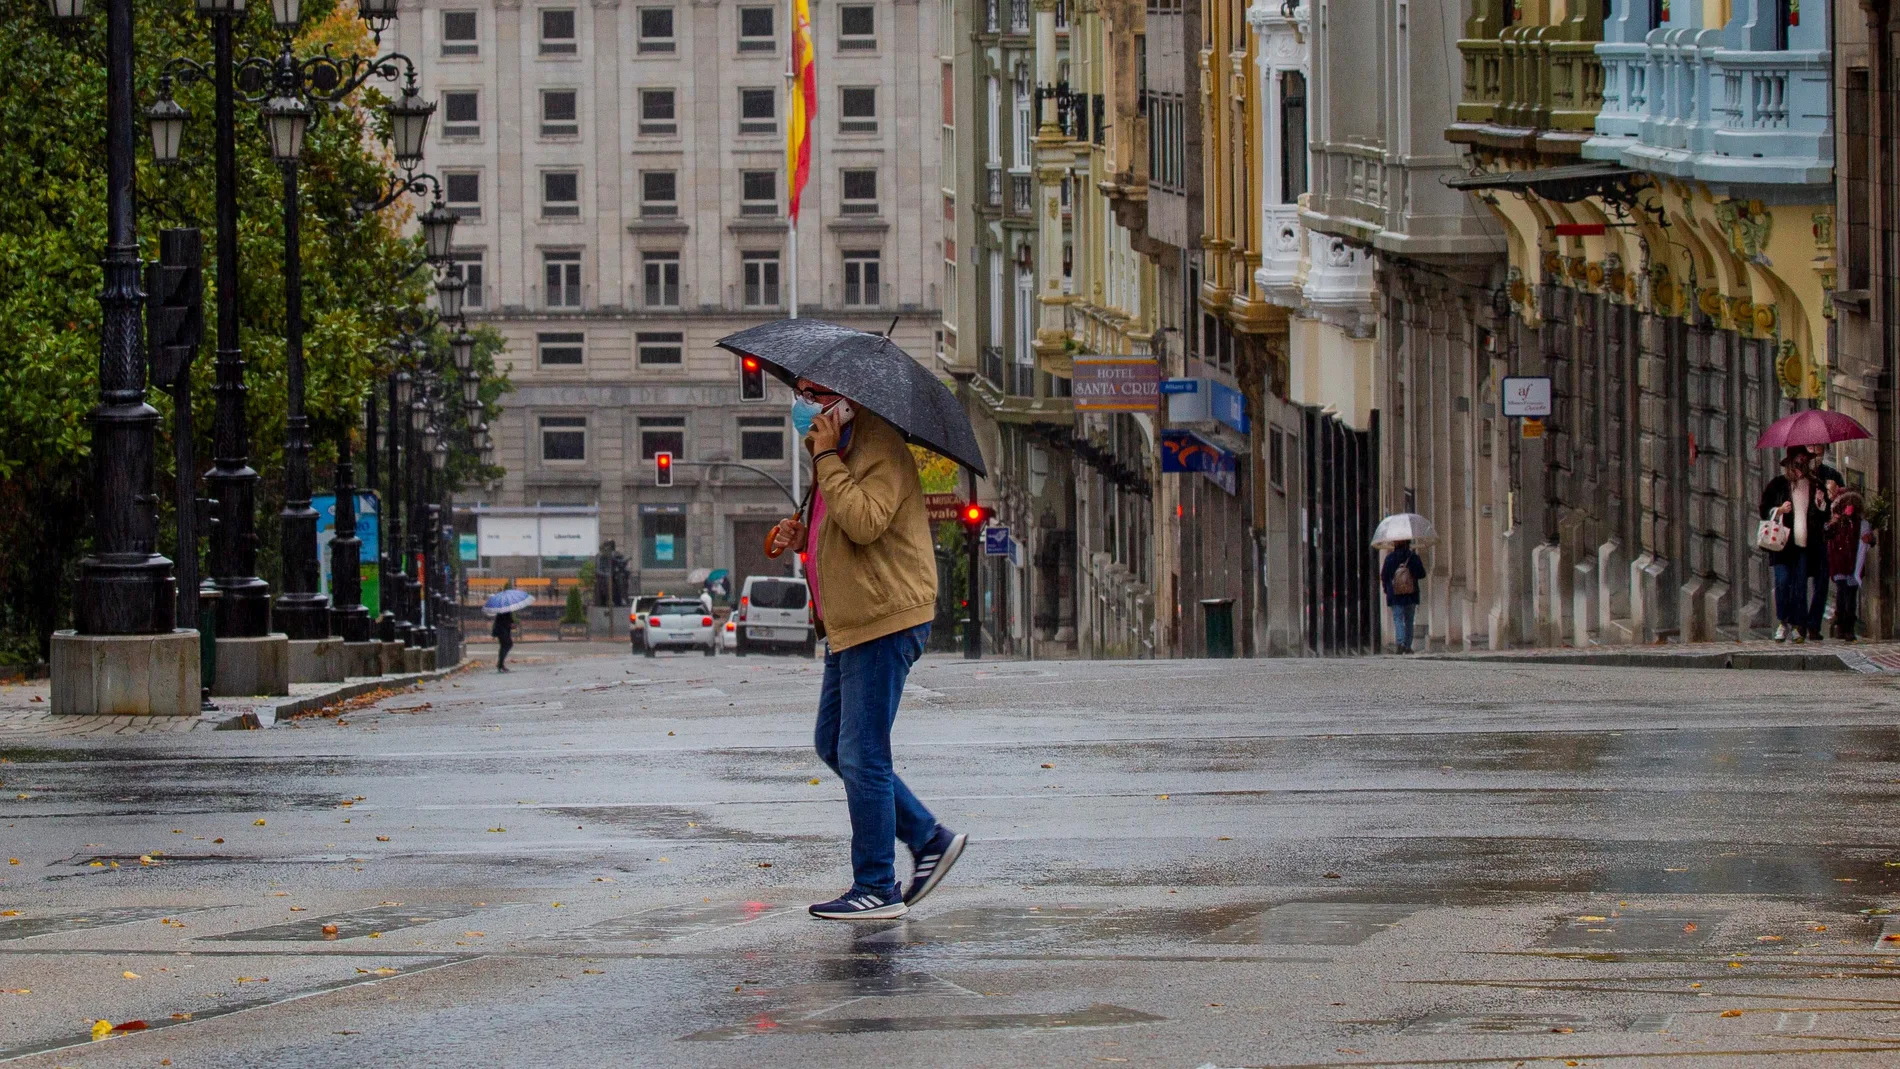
{"x": 803, "y": 412}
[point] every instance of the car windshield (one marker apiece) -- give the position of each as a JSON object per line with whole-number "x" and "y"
{"x": 678, "y": 607}
{"x": 778, "y": 594}
{"x": 644, "y": 603}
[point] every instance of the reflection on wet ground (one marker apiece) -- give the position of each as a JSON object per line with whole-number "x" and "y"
{"x": 1315, "y": 924}
{"x": 669, "y": 922}
{"x": 1100, "y": 1015}
{"x": 352, "y": 925}
{"x": 27, "y": 927}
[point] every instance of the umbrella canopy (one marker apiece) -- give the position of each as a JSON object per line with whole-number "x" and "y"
{"x": 1404, "y": 527}
{"x": 506, "y": 601}
{"x": 1816, "y": 426}
{"x": 699, "y": 575}
{"x": 870, "y": 370}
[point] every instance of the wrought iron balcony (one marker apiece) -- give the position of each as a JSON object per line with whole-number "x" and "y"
{"x": 1530, "y": 88}
{"x": 1022, "y": 194}
{"x": 993, "y": 188}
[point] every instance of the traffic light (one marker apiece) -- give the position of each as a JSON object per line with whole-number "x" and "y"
{"x": 174, "y": 306}
{"x": 751, "y": 379}
{"x": 976, "y": 517}
{"x": 663, "y": 469}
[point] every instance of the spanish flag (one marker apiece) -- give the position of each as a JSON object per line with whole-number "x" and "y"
{"x": 804, "y": 104}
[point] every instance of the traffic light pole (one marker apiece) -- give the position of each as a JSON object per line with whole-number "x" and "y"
{"x": 761, "y": 472}
{"x": 973, "y": 635}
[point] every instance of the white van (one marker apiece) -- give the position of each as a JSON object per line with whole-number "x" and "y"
{"x": 774, "y": 613}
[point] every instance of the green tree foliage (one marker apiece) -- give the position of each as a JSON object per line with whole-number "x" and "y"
{"x": 359, "y": 273}
{"x": 576, "y": 611}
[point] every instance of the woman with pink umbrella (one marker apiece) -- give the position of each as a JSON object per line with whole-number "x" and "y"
{"x": 1794, "y": 512}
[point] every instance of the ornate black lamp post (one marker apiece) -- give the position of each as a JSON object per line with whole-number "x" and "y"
{"x": 125, "y": 587}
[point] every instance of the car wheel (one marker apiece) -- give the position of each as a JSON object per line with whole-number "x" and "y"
{"x": 739, "y": 648}
{"x": 649, "y": 649}
{"x": 712, "y": 648}
{"x": 810, "y": 648}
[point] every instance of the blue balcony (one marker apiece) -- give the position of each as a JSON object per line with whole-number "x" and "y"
{"x": 1728, "y": 105}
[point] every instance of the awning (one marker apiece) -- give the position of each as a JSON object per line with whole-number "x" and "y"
{"x": 1565, "y": 185}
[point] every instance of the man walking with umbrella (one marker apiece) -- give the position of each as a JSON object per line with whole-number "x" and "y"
{"x": 872, "y": 569}
{"x": 502, "y": 607}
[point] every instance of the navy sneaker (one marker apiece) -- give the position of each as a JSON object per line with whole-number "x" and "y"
{"x": 852, "y": 906}
{"x": 933, "y": 863}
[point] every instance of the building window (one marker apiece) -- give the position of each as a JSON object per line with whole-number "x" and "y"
{"x": 761, "y": 438}
{"x": 560, "y": 194}
{"x": 663, "y": 539}
{"x": 659, "y": 194}
{"x": 561, "y": 350}
{"x": 756, "y": 32}
{"x": 758, "y": 111}
{"x": 563, "y": 274}
{"x": 859, "y": 192}
{"x": 563, "y": 438}
{"x": 462, "y": 191}
{"x": 758, "y": 192}
{"x": 861, "y": 279}
{"x": 461, "y": 114}
{"x": 560, "y": 113}
{"x": 857, "y": 27}
{"x": 656, "y": 30}
{"x": 661, "y": 349}
{"x": 761, "y": 279}
{"x": 1292, "y": 136}
{"x": 459, "y": 34}
{"x": 857, "y": 110}
{"x": 1276, "y": 458}
{"x": 662, "y": 279}
{"x": 656, "y": 113}
{"x": 662, "y": 434}
{"x": 557, "y": 32}
{"x": 475, "y": 274}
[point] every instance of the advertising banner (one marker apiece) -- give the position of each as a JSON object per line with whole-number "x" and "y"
{"x": 1116, "y": 384}
{"x": 368, "y": 531}
{"x": 1185, "y": 451}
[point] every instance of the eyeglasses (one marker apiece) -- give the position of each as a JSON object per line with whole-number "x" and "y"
{"x": 816, "y": 394}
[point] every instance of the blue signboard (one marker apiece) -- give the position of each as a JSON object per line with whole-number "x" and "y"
{"x": 368, "y": 529}
{"x": 1185, "y": 451}
{"x": 1180, "y": 385}
{"x": 996, "y": 541}
{"x": 1228, "y": 405}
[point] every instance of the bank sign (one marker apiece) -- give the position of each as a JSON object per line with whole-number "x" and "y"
{"x": 1116, "y": 384}
{"x": 1185, "y": 451}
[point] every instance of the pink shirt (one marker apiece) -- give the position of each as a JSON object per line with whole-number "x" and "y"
{"x": 811, "y": 555}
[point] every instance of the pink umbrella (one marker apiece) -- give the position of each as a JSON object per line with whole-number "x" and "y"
{"x": 1816, "y": 426}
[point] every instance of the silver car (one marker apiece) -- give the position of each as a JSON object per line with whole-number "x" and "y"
{"x": 680, "y": 624}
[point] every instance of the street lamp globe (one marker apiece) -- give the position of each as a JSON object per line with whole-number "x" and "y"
{"x": 429, "y": 437}
{"x": 440, "y": 456}
{"x": 450, "y": 290}
{"x": 408, "y": 126}
{"x": 471, "y": 391}
{"x": 405, "y": 388}
{"x": 285, "y": 120}
{"x": 418, "y": 415}
{"x": 462, "y": 347}
{"x": 66, "y": 10}
{"x": 220, "y": 7}
{"x": 438, "y": 231}
{"x": 286, "y": 13}
{"x": 166, "y": 120}
{"x": 374, "y": 11}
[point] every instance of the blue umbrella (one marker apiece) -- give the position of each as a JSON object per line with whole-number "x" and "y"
{"x": 506, "y": 601}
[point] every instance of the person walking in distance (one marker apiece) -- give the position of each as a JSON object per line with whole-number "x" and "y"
{"x": 872, "y": 570}
{"x": 1793, "y": 498}
{"x": 504, "y": 632}
{"x": 1400, "y": 575}
{"x": 1848, "y": 536}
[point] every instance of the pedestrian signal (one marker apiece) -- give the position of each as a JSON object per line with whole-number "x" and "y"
{"x": 663, "y": 469}
{"x": 751, "y": 379}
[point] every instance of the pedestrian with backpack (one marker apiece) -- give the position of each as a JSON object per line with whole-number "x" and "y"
{"x": 1400, "y": 576}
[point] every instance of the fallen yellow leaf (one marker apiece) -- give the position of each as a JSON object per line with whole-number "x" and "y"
{"x": 813, "y": 781}
{"x": 375, "y": 935}
{"x": 298, "y": 909}
{"x": 473, "y": 935}
{"x": 129, "y": 975}
{"x": 9, "y": 912}
{"x": 101, "y": 1029}
{"x": 498, "y": 829}
{"x": 259, "y": 822}
{"x": 13, "y": 861}
{"x": 1767, "y": 939}
{"x": 17, "y": 990}
{"x": 1591, "y": 918}
{"x": 1731, "y": 1013}
{"x": 1690, "y": 927}
{"x": 382, "y": 838}
{"x": 384, "y": 971}
{"x": 146, "y": 859}
{"x": 1161, "y": 797}
{"x": 557, "y": 905}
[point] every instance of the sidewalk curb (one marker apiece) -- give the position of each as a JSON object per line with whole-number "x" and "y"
{"x": 1831, "y": 661}
{"x": 266, "y": 716}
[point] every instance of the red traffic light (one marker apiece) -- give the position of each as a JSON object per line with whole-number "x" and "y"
{"x": 751, "y": 364}
{"x": 663, "y": 469}
{"x": 977, "y": 515}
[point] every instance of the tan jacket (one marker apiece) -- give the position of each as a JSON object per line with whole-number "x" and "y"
{"x": 877, "y": 568}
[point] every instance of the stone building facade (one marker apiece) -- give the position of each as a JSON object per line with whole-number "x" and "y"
{"x": 620, "y": 170}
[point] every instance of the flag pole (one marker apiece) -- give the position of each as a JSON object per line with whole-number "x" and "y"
{"x": 791, "y": 87}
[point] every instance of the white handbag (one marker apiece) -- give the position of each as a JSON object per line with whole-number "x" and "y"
{"x": 1772, "y": 535}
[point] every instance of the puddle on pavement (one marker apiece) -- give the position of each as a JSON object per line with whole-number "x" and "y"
{"x": 672, "y": 922}
{"x": 1626, "y": 868}
{"x": 985, "y": 925}
{"x": 1100, "y": 1015}
{"x": 352, "y": 925}
{"x": 29, "y": 926}
{"x": 1499, "y": 1024}
{"x": 890, "y": 985}
{"x": 670, "y": 822}
{"x": 1315, "y": 924}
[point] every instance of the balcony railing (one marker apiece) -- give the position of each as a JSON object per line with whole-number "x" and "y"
{"x": 1527, "y": 79}
{"x": 991, "y": 366}
{"x": 993, "y": 189}
{"x": 1022, "y": 194}
{"x": 990, "y": 15}
{"x": 1019, "y": 16}
{"x": 1022, "y": 380}
{"x": 1679, "y": 105}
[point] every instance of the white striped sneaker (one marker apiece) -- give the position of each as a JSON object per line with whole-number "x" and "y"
{"x": 933, "y": 864}
{"x": 860, "y": 907}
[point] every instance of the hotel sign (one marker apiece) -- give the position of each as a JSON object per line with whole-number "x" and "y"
{"x": 1116, "y": 384}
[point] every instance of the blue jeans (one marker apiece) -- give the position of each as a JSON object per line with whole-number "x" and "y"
{"x": 1402, "y": 624}
{"x": 1791, "y": 593}
{"x": 856, "y": 706}
{"x": 1817, "y": 596}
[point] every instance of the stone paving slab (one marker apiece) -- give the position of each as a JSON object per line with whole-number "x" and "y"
{"x": 26, "y": 709}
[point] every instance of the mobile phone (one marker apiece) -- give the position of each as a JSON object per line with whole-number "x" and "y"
{"x": 844, "y": 411}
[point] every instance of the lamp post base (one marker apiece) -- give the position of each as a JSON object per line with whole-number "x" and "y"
{"x": 252, "y": 666}
{"x": 126, "y": 675}
{"x": 316, "y": 660}
{"x": 362, "y": 659}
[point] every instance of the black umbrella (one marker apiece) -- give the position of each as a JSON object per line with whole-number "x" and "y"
{"x": 870, "y": 370}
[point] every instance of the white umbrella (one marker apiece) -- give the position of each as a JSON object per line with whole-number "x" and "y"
{"x": 699, "y": 575}
{"x": 1405, "y": 527}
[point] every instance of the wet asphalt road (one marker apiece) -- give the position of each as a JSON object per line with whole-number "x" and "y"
{"x": 604, "y": 861}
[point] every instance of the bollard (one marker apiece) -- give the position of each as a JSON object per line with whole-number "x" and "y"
{"x": 208, "y": 643}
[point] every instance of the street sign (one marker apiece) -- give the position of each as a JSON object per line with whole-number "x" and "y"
{"x": 1526, "y": 396}
{"x": 996, "y": 541}
{"x": 941, "y": 507}
{"x": 1532, "y": 428}
{"x": 1174, "y": 386}
{"x": 1015, "y": 553}
{"x": 1115, "y": 383}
